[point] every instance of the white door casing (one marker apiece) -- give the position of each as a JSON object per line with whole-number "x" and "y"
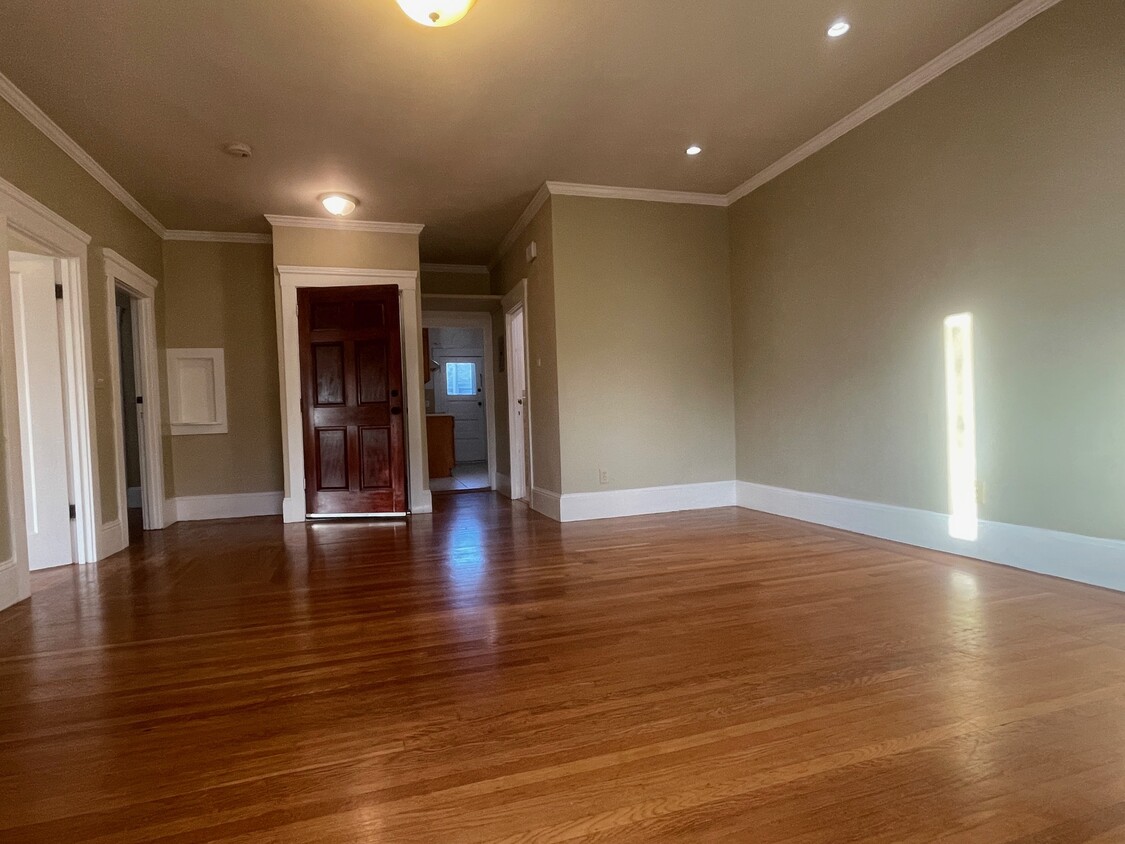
{"x": 521, "y": 465}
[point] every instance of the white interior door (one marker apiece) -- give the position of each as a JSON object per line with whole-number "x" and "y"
{"x": 42, "y": 412}
{"x": 462, "y": 396}
{"x": 517, "y": 396}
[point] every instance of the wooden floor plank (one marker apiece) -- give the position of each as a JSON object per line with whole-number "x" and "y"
{"x": 485, "y": 674}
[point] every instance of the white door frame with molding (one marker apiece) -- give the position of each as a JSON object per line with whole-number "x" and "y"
{"x": 288, "y": 280}
{"x": 141, "y": 288}
{"x": 483, "y": 321}
{"x": 516, "y": 300}
{"x": 33, "y": 224}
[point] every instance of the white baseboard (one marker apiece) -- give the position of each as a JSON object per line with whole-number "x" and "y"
{"x": 133, "y": 497}
{"x": 194, "y": 508}
{"x": 612, "y": 504}
{"x": 503, "y": 484}
{"x": 170, "y": 516}
{"x": 547, "y": 503}
{"x": 421, "y": 503}
{"x": 1087, "y": 559}
{"x": 112, "y": 537}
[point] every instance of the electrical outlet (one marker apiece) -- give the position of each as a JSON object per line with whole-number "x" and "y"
{"x": 603, "y": 476}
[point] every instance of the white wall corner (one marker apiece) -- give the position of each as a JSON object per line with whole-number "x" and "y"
{"x": 546, "y": 502}
{"x": 612, "y": 504}
{"x": 1086, "y": 559}
{"x": 503, "y": 484}
{"x": 112, "y": 537}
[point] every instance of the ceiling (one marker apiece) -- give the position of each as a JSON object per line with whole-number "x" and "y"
{"x": 455, "y": 128}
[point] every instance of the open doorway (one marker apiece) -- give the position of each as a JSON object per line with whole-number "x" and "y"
{"x": 459, "y": 402}
{"x": 130, "y": 421}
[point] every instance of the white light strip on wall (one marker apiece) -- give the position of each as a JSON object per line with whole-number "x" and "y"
{"x": 961, "y": 432}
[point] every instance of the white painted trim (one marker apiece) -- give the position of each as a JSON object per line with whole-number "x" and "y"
{"x": 59, "y": 239}
{"x": 503, "y": 484}
{"x": 39, "y": 119}
{"x": 675, "y": 197}
{"x": 141, "y": 288}
{"x": 1016, "y": 16}
{"x": 516, "y": 300}
{"x": 179, "y": 427}
{"x": 1087, "y": 559}
{"x": 612, "y": 504}
{"x": 533, "y": 207}
{"x": 217, "y": 237}
{"x": 467, "y": 269}
{"x": 401, "y": 277}
{"x": 288, "y": 280}
{"x": 28, "y": 216}
{"x": 482, "y": 321}
{"x": 276, "y": 220}
{"x": 113, "y": 537}
{"x": 197, "y": 508}
{"x": 546, "y": 502}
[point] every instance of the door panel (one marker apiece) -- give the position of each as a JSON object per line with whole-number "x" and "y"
{"x": 466, "y": 408}
{"x": 42, "y": 414}
{"x": 351, "y": 380}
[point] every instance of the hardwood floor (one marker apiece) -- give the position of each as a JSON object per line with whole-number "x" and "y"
{"x": 489, "y": 675}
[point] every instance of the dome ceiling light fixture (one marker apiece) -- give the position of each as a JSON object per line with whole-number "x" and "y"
{"x": 838, "y": 28}
{"x": 435, "y": 13}
{"x": 338, "y": 204}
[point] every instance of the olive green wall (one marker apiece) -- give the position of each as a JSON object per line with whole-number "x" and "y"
{"x": 642, "y": 306}
{"x": 221, "y": 295}
{"x": 38, "y": 167}
{"x": 459, "y": 284}
{"x": 542, "y": 374}
{"x": 997, "y": 189}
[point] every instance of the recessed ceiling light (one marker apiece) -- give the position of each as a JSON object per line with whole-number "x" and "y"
{"x": 436, "y": 12}
{"x": 694, "y": 149}
{"x": 838, "y": 28}
{"x": 338, "y": 204}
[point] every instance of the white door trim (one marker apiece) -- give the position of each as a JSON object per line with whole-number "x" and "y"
{"x": 35, "y": 223}
{"x": 516, "y": 299}
{"x": 288, "y": 280}
{"x": 141, "y": 288}
{"x": 483, "y": 321}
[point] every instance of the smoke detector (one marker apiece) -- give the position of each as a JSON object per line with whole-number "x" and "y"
{"x": 238, "y": 150}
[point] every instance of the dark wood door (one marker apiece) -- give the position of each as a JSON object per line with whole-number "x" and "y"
{"x": 351, "y": 385}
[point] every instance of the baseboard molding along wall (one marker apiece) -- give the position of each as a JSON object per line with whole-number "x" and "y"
{"x": 612, "y": 504}
{"x": 546, "y": 502}
{"x": 194, "y": 508}
{"x": 112, "y": 537}
{"x": 503, "y": 484}
{"x": 1087, "y": 559}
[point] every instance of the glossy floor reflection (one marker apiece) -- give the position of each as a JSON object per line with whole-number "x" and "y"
{"x": 486, "y": 674}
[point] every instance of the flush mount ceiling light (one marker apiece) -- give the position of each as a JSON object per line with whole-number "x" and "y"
{"x": 694, "y": 149}
{"x": 436, "y": 12}
{"x": 838, "y": 28}
{"x": 338, "y": 204}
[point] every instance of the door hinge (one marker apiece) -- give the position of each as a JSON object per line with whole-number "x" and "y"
{"x": 73, "y": 512}
{"x": 58, "y": 291}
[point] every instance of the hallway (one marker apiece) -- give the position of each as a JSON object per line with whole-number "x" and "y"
{"x": 485, "y": 674}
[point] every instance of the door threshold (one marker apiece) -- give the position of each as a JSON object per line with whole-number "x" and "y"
{"x": 321, "y": 516}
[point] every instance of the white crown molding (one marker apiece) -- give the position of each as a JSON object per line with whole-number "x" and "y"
{"x": 467, "y": 269}
{"x": 9, "y": 193}
{"x": 276, "y": 220}
{"x": 639, "y": 194}
{"x": 217, "y": 237}
{"x": 537, "y": 202}
{"x": 1016, "y": 16}
{"x": 39, "y": 119}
